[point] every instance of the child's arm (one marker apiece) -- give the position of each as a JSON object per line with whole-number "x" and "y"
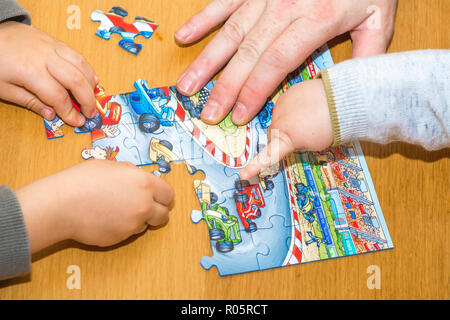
{"x": 97, "y": 203}
{"x": 38, "y": 71}
{"x": 396, "y": 97}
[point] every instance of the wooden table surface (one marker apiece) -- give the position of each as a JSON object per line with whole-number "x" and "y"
{"x": 412, "y": 184}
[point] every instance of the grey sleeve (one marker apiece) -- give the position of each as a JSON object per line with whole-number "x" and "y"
{"x": 11, "y": 10}
{"x": 15, "y": 256}
{"x": 395, "y": 97}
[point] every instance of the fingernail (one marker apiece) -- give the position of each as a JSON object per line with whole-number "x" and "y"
{"x": 240, "y": 114}
{"x": 186, "y": 82}
{"x": 184, "y": 33}
{"x": 47, "y": 114}
{"x": 211, "y": 111}
{"x": 80, "y": 120}
{"x": 92, "y": 114}
{"x": 96, "y": 79}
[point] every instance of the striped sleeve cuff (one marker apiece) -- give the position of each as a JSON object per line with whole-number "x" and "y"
{"x": 11, "y": 10}
{"x": 15, "y": 256}
{"x": 348, "y": 116}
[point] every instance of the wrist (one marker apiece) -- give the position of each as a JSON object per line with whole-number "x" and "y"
{"x": 44, "y": 220}
{"x": 345, "y": 104}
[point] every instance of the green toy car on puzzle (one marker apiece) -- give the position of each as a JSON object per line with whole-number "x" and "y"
{"x": 223, "y": 227}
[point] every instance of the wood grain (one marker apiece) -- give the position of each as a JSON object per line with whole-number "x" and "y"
{"x": 412, "y": 184}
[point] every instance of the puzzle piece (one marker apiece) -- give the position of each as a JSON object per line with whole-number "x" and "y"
{"x": 113, "y": 22}
{"x": 279, "y": 254}
{"x": 53, "y": 128}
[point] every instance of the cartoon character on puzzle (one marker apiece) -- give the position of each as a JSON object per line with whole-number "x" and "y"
{"x": 113, "y": 22}
{"x": 305, "y": 201}
{"x": 99, "y": 153}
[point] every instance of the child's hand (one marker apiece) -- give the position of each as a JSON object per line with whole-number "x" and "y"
{"x": 301, "y": 121}
{"x": 97, "y": 203}
{"x": 36, "y": 71}
{"x": 261, "y": 41}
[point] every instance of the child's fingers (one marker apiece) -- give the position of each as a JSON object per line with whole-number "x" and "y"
{"x": 26, "y": 99}
{"x": 75, "y": 58}
{"x": 163, "y": 192}
{"x": 279, "y": 146}
{"x": 50, "y": 92}
{"x": 159, "y": 215}
{"x": 72, "y": 79}
{"x": 212, "y": 15}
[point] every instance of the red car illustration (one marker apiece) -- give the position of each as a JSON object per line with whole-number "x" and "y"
{"x": 249, "y": 201}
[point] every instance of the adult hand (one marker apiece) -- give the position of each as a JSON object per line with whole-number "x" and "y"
{"x": 263, "y": 40}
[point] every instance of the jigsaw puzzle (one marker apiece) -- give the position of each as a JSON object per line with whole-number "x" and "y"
{"x": 309, "y": 207}
{"x": 113, "y": 22}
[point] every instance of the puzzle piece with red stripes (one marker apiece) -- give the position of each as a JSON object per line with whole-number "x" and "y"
{"x": 113, "y": 22}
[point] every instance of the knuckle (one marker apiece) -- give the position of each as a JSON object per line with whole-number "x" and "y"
{"x": 144, "y": 181}
{"x": 249, "y": 50}
{"x": 226, "y": 5}
{"x": 250, "y": 90}
{"x": 275, "y": 58}
{"x": 32, "y": 104}
{"x": 77, "y": 79}
{"x": 222, "y": 90}
{"x": 62, "y": 98}
{"x": 233, "y": 31}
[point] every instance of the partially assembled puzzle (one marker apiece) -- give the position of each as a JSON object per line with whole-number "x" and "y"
{"x": 309, "y": 207}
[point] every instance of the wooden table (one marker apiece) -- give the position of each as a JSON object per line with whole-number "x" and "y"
{"x": 412, "y": 184}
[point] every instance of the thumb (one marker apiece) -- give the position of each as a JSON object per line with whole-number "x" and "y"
{"x": 280, "y": 145}
{"x": 368, "y": 43}
{"x": 373, "y": 35}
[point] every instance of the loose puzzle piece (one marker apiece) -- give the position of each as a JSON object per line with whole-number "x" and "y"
{"x": 113, "y": 22}
{"x": 53, "y": 128}
{"x": 309, "y": 207}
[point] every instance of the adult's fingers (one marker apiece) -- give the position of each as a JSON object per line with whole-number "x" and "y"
{"x": 26, "y": 99}
{"x": 280, "y": 145}
{"x": 227, "y": 88}
{"x": 302, "y": 38}
{"x": 373, "y": 35}
{"x": 76, "y": 59}
{"x": 52, "y": 93}
{"x": 221, "y": 48}
{"x": 159, "y": 215}
{"x": 211, "y": 16}
{"x": 368, "y": 43}
{"x": 74, "y": 80}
